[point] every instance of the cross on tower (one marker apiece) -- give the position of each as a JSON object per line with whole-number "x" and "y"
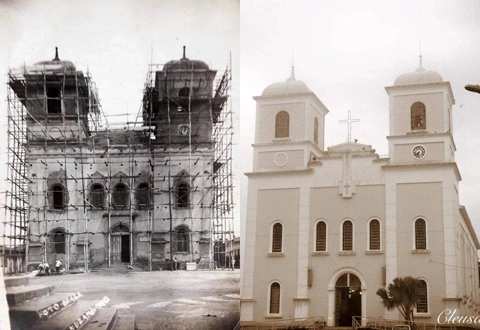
{"x": 349, "y": 121}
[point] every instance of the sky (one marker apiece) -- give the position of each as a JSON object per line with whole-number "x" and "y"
{"x": 348, "y": 51}
{"x": 116, "y": 40}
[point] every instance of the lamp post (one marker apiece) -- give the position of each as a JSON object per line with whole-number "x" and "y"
{"x": 473, "y": 88}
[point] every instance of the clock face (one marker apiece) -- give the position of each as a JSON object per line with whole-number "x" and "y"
{"x": 184, "y": 130}
{"x": 418, "y": 152}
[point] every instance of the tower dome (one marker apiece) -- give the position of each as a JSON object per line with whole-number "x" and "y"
{"x": 64, "y": 65}
{"x": 419, "y": 76}
{"x": 290, "y": 86}
{"x": 185, "y": 64}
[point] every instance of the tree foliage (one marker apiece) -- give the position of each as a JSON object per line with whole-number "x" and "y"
{"x": 402, "y": 294}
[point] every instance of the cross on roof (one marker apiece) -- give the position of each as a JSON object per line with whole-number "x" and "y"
{"x": 349, "y": 121}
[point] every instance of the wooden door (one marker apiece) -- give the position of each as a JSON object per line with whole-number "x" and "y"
{"x": 116, "y": 248}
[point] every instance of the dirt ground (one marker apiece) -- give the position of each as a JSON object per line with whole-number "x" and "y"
{"x": 164, "y": 299}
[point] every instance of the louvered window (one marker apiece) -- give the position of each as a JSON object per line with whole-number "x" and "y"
{"x": 420, "y": 235}
{"x": 321, "y": 239}
{"x": 277, "y": 237}
{"x": 422, "y": 303}
{"x": 374, "y": 235}
{"x": 315, "y": 130}
{"x": 418, "y": 113}
{"x": 347, "y": 231}
{"x": 282, "y": 125}
{"x": 275, "y": 298}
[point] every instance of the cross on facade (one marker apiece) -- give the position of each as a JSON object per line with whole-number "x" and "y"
{"x": 349, "y": 121}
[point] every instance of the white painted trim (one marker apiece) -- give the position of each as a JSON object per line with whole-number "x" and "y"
{"x": 314, "y": 247}
{"x": 270, "y": 249}
{"x": 415, "y": 233}
{"x": 341, "y": 235}
{"x": 331, "y": 293}
{"x": 269, "y": 291}
{"x": 368, "y": 234}
{"x": 417, "y": 314}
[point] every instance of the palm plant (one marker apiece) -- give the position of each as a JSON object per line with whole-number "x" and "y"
{"x": 401, "y": 294}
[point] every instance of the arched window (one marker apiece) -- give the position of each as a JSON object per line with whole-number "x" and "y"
{"x": 97, "y": 195}
{"x": 321, "y": 236}
{"x": 58, "y": 197}
{"x": 374, "y": 233}
{"x": 274, "y": 307}
{"x": 58, "y": 241}
{"x": 315, "y": 130}
{"x": 418, "y": 116}
{"x": 120, "y": 195}
{"x": 422, "y": 302}
{"x": 420, "y": 234}
{"x": 184, "y": 92}
{"x": 347, "y": 236}
{"x": 182, "y": 240}
{"x": 183, "y": 194}
{"x": 282, "y": 125}
{"x": 54, "y": 101}
{"x": 143, "y": 195}
{"x": 277, "y": 237}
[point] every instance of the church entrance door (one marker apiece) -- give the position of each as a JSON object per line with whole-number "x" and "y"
{"x": 120, "y": 244}
{"x": 348, "y": 300}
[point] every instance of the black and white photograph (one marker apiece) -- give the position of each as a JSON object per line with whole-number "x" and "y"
{"x": 119, "y": 123}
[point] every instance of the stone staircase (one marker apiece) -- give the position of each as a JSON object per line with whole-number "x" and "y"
{"x": 117, "y": 268}
{"x": 37, "y": 307}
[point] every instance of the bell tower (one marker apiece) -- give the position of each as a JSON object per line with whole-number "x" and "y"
{"x": 421, "y": 118}
{"x": 56, "y": 97}
{"x": 290, "y": 126}
{"x": 184, "y": 107}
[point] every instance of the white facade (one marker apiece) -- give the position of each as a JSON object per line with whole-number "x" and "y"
{"x": 325, "y": 229}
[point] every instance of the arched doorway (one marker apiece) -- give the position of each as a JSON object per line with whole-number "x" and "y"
{"x": 348, "y": 299}
{"x": 120, "y": 243}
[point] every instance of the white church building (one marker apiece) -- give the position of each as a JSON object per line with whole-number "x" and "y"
{"x": 327, "y": 227}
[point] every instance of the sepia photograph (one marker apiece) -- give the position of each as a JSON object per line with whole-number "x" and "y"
{"x": 360, "y": 201}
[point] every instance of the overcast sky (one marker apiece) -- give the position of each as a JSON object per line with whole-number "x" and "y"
{"x": 348, "y": 51}
{"x": 116, "y": 40}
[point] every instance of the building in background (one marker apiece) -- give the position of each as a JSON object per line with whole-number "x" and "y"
{"x": 327, "y": 227}
{"x": 92, "y": 192}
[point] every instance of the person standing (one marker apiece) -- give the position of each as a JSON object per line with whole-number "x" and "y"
{"x": 175, "y": 263}
{"x": 58, "y": 265}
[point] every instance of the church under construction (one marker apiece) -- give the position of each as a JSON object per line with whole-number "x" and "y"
{"x": 145, "y": 193}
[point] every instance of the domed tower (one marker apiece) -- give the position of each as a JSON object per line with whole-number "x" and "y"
{"x": 420, "y": 118}
{"x": 290, "y": 125}
{"x": 183, "y": 104}
{"x": 57, "y": 98}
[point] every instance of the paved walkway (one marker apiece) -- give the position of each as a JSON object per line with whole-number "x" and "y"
{"x": 165, "y": 300}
